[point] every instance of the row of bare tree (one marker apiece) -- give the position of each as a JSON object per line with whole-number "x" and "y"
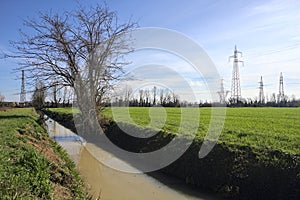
{"x": 146, "y": 97}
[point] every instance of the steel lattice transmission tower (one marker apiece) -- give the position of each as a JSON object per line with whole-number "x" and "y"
{"x": 235, "y": 83}
{"x": 281, "y": 90}
{"x": 222, "y": 93}
{"x": 23, "y": 92}
{"x": 261, "y": 95}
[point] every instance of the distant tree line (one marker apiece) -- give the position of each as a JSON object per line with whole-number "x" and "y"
{"x": 51, "y": 97}
{"x": 167, "y": 98}
{"x": 146, "y": 98}
{"x": 273, "y": 102}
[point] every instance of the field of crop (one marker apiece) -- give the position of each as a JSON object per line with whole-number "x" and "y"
{"x": 274, "y": 128}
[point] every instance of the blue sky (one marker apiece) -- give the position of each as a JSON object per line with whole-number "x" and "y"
{"x": 267, "y": 32}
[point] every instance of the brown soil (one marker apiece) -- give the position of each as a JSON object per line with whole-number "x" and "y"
{"x": 2, "y": 109}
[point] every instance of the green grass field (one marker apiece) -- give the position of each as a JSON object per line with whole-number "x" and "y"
{"x": 273, "y": 128}
{"x": 64, "y": 110}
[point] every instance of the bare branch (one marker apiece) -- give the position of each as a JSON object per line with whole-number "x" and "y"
{"x": 86, "y": 45}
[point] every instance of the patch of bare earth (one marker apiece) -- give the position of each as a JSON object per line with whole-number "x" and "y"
{"x": 2, "y": 109}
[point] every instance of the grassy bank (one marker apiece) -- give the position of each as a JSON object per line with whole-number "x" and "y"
{"x": 32, "y": 166}
{"x": 257, "y": 156}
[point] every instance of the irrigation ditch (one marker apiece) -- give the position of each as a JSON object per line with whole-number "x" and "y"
{"x": 231, "y": 171}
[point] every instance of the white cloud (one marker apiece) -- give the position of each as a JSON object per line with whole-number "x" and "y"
{"x": 196, "y": 84}
{"x": 295, "y": 38}
{"x": 271, "y": 6}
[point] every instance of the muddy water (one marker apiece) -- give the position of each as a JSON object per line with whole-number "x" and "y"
{"x": 111, "y": 184}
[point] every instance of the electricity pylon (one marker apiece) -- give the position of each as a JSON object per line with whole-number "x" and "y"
{"x": 222, "y": 93}
{"x": 281, "y": 90}
{"x": 235, "y": 83}
{"x": 23, "y": 92}
{"x": 261, "y": 95}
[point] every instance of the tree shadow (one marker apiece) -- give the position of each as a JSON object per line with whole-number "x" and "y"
{"x": 14, "y": 116}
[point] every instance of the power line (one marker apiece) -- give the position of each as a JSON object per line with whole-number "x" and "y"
{"x": 274, "y": 62}
{"x": 269, "y": 52}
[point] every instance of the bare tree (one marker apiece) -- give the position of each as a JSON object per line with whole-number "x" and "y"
{"x": 128, "y": 94}
{"x": 2, "y": 97}
{"x": 67, "y": 96}
{"x": 141, "y": 97}
{"x": 273, "y": 98}
{"x": 55, "y": 94}
{"x": 168, "y": 97}
{"x": 154, "y": 90}
{"x": 161, "y": 96}
{"x": 83, "y": 49}
{"x": 39, "y": 95}
{"x": 175, "y": 99}
{"x": 147, "y": 97}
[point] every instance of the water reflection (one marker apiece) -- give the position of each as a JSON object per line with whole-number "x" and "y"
{"x": 110, "y": 183}
{"x": 71, "y": 142}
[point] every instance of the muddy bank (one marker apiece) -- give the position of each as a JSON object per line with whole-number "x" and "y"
{"x": 235, "y": 172}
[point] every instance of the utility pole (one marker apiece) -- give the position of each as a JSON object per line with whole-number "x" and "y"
{"x": 235, "y": 83}
{"x": 281, "y": 90}
{"x": 261, "y": 91}
{"x": 23, "y": 92}
{"x": 222, "y": 93}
